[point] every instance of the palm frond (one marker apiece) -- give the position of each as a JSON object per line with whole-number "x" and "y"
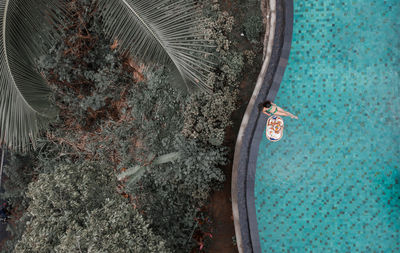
{"x": 24, "y": 104}
{"x": 1, "y": 164}
{"x": 136, "y": 172}
{"x": 167, "y": 31}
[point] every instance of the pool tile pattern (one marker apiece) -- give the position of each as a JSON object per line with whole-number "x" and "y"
{"x": 332, "y": 184}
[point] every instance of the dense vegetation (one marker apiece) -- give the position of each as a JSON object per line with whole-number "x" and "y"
{"x": 69, "y": 212}
{"x": 118, "y": 114}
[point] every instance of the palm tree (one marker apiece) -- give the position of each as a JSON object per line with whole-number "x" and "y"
{"x": 1, "y": 165}
{"x": 166, "y": 31}
{"x": 24, "y": 104}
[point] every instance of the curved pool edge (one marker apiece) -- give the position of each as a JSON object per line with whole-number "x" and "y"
{"x": 252, "y": 128}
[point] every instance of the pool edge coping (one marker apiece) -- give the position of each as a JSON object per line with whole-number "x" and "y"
{"x": 234, "y": 191}
{"x": 252, "y": 128}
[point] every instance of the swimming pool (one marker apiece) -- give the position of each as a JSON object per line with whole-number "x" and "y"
{"x": 332, "y": 183}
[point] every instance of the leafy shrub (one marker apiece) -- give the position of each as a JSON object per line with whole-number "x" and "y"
{"x": 219, "y": 26}
{"x": 208, "y": 115}
{"x": 253, "y": 28}
{"x": 91, "y": 81}
{"x": 249, "y": 57}
{"x": 74, "y": 208}
{"x": 230, "y": 61}
{"x": 171, "y": 194}
{"x": 18, "y": 172}
{"x": 157, "y": 108}
{"x": 85, "y": 74}
{"x": 197, "y": 172}
{"x": 232, "y": 68}
{"x": 115, "y": 227}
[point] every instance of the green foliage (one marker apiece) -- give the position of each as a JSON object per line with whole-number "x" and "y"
{"x": 76, "y": 208}
{"x": 253, "y": 28}
{"x": 148, "y": 124}
{"x": 164, "y": 30}
{"x": 84, "y": 73}
{"x": 24, "y": 103}
{"x": 18, "y": 172}
{"x": 197, "y": 172}
{"x": 230, "y": 61}
{"x": 208, "y": 115}
{"x": 91, "y": 82}
{"x": 116, "y": 113}
{"x": 115, "y": 227}
{"x": 157, "y": 108}
{"x": 171, "y": 195}
{"x": 232, "y": 68}
{"x": 249, "y": 57}
{"x": 220, "y": 25}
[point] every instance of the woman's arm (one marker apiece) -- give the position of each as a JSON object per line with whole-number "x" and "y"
{"x": 265, "y": 111}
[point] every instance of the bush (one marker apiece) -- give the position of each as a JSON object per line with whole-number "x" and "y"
{"x": 116, "y": 227}
{"x": 18, "y": 172}
{"x": 253, "y": 28}
{"x": 171, "y": 194}
{"x": 157, "y": 108}
{"x": 77, "y": 208}
{"x": 208, "y": 115}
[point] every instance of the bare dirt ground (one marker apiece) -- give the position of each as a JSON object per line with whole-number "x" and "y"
{"x": 220, "y": 207}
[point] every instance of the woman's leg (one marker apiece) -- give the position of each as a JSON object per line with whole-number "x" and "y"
{"x": 281, "y": 113}
{"x": 285, "y": 113}
{"x": 291, "y": 115}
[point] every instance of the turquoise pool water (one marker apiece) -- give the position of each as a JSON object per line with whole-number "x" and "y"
{"x": 332, "y": 183}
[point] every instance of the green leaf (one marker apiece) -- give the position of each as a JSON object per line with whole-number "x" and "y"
{"x": 166, "y": 31}
{"x": 24, "y": 103}
{"x": 137, "y": 171}
{"x": 167, "y": 158}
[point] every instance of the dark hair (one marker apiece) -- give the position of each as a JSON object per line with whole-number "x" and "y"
{"x": 266, "y": 104}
